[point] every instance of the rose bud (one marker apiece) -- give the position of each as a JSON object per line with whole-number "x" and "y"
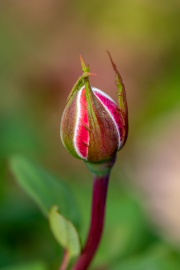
{"x": 93, "y": 127}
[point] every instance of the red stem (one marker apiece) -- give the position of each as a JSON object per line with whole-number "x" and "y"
{"x": 97, "y": 221}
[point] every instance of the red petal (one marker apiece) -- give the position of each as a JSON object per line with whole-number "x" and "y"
{"x": 81, "y": 139}
{"x": 113, "y": 109}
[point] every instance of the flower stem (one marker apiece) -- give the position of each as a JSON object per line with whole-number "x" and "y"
{"x": 100, "y": 186}
{"x": 65, "y": 260}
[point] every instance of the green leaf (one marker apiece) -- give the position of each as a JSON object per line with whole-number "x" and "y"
{"x": 64, "y": 232}
{"x": 44, "y": 187}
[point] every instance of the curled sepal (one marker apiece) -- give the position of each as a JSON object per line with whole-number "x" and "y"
{"x": 123, "y": 108}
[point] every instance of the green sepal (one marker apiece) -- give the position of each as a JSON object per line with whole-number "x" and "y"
{"x": 81, "y": 81}
{"x": 101, "y": 168}
{"x": 84, "y": 67}
{"x": 120, "y": 84}
{"x": 67, "y": 136}
{"x": 78, "y": 85}
{"x": 123, "y": 109}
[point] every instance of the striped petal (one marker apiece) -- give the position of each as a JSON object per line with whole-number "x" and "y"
{"x": 113, "y": 111}
{"x": 92, "y": 136}
{"x": 81, "y": 135}
{"x": 103, "y": 132}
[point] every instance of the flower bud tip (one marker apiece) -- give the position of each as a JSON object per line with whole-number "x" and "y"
{"x": 91, "y": 74}
{"x": 84, "y": 68}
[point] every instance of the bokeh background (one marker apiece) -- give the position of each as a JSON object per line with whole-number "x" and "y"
{"x": 40, "y": 44}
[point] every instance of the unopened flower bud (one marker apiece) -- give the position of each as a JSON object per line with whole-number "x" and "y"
{"x": 93, "y": 127}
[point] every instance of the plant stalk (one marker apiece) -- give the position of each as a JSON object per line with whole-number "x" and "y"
{"x": 65, "y": 261}
{"x": 100, "y": 185}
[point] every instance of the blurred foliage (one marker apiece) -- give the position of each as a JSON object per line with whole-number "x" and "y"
{"x": 40, "y": 43}
{"x": 30, "y": 266}
{"x": 44, "y": 188}
{"x": 158, "y": 257}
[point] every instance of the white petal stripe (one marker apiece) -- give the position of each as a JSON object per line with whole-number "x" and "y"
{"x": 96, "y": 90}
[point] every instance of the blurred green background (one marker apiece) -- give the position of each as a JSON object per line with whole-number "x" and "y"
{"x": 40, "y": 44}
